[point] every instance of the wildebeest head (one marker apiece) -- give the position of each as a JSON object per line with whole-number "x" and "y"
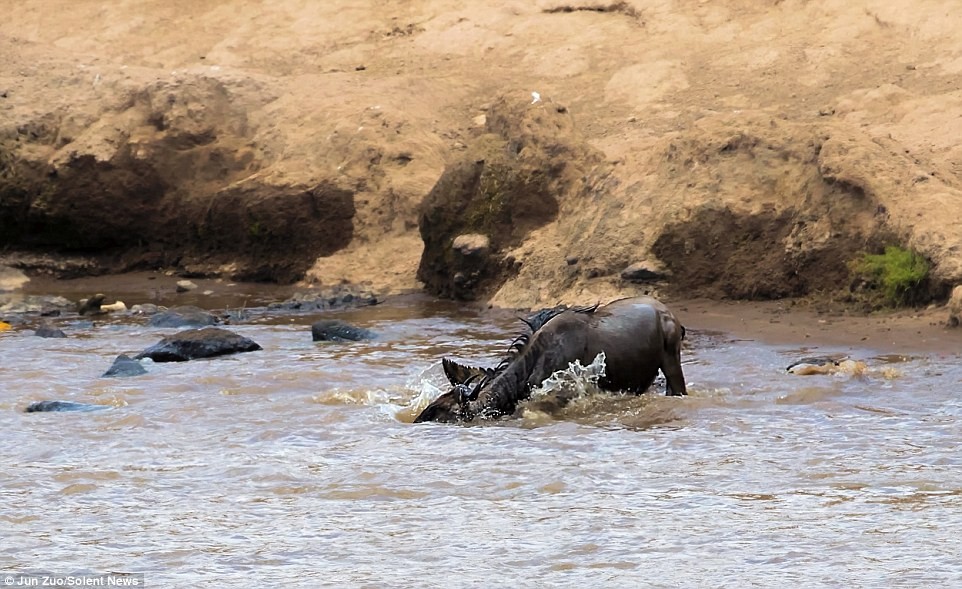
{"x": 469, "y": 383}
{"x": 448, "y": 408}
{"x": 451, "y": 407}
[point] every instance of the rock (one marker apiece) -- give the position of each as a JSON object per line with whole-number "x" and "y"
{"x": 47, "y": 330}
{"x": 955, "y": 307}
{"x": 185, "y": 285}
{"x": 124, "y": 365}
{"x": 507, "y": 183}
{"x": 11, "y": 278}
{"x": 146, "y": 309}
{"x": 645, "y": 271}
{"x": 185, "y": 316}
{"x": 91, "y": 305}
{"x": 44, "y": 305}
{"x": 198, "y": 343}
{"x": 342, "y": 297}
{"x": 335, "y": 330}
{"x": 118, "y": 306}
{"x": 472, "y": 244}
{"x": 62, "y": 406}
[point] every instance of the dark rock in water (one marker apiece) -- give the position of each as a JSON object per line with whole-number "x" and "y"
{"x": 124, "y": 365}
{"x": 61, "y": 406}
{"x": 337, "y": 298}
{"x": 335, "y": 330}
{"x": 198, "y": 343}
{"x": 185, "y": 316}
{"x": 91, "y": 306}
{"x": 49, "y": 331}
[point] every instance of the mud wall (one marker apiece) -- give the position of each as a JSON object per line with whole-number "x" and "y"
{"x": 546, "y": 152}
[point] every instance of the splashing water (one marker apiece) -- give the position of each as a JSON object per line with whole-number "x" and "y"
{"x": 564, "y": 386}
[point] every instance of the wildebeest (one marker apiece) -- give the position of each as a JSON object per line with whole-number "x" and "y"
{"x": 639, "y": 336}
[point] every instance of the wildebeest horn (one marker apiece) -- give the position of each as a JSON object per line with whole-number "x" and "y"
{"x": 460, "y": 373}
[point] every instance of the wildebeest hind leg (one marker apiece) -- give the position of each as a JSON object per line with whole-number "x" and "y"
{"x": 671, "y": 367}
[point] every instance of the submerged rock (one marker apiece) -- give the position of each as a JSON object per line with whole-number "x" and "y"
{"x": 62, "y": 406}
{"x": 184, "y": 316}
{"x": 49, "y": 331}
{"x": 337, "y": 298}
{"x": 146, "y": 309}
{"x": 124, "y": 365}
{"x": 198, "y": 343}
{"x": 335, "y": 330}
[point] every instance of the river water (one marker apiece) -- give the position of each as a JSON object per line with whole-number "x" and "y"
{"x": 297, "y": 466}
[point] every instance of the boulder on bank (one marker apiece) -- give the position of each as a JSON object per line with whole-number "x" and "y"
{"x": 507, "y": 184}
{"x": 124, "y": 365}
{"x": 198, "y": 343}
{"x": 335, "y": 330}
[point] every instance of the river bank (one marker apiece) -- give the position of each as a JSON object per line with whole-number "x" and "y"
{"x": 788, "y": 322}
{"x": 733, "y": 151}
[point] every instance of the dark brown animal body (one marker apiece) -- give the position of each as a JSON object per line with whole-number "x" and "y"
{"x": 639, "y": 336}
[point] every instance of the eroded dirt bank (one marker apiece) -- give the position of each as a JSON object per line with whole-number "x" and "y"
{"x": 718, "y": 149}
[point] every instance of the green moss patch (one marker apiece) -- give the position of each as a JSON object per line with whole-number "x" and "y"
{"x": 899, "y": 275}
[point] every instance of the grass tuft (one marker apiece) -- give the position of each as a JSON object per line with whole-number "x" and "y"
{"x": 899, "y": 274}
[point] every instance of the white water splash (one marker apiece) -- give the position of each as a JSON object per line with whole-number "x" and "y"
{"x": 574, "y": 381}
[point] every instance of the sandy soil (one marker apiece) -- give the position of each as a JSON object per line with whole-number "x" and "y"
{"x": 750, "y": 149}
{"x": 785, "y": 323}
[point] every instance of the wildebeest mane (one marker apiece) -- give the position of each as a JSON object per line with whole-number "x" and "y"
{"x": 534, "y": 322}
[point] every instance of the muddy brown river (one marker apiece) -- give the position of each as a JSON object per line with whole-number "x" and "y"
{"x": 297, "y": 466}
